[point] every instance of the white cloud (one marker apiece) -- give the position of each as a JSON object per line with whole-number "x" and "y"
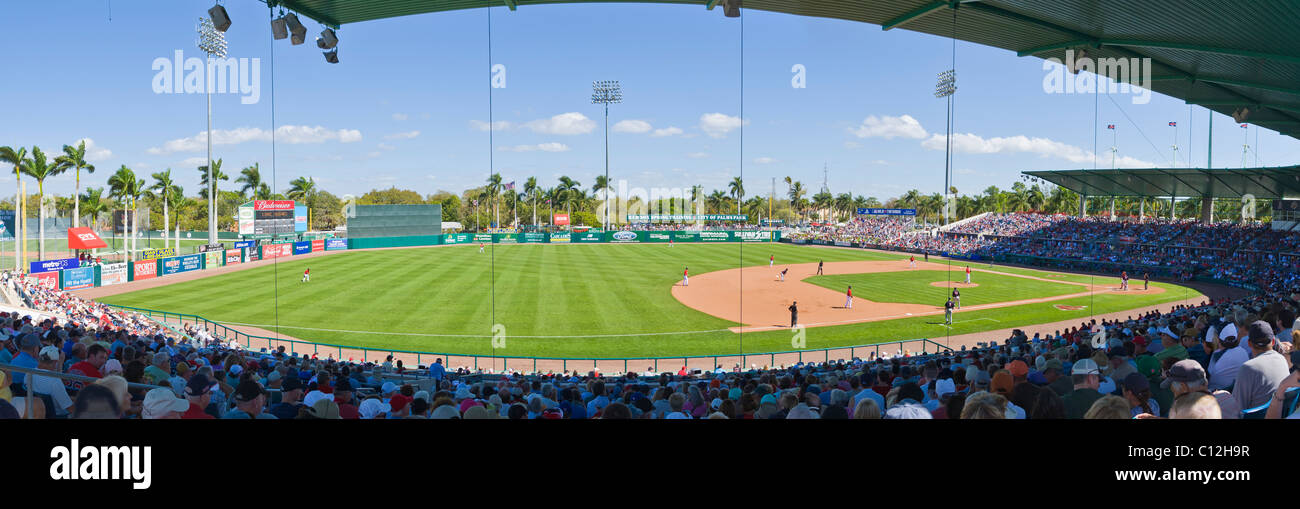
{"x": 93, "y": 153}
{"x": 195, "y": 162}
{"x": 974, "y": 144}
{"x": 544, "y": 147}
{"x": 499, "y": 125}
{"x": 399, "y": 116}
{"x": 291, "y": 134}
{"x": 402, "y": 136}
{"x": 697, "y": 155}
{"x": 718, "y": 125}
{"x": 764, "y": 160}
{"x": 888, "y": 127}
{"x": 667, "y": 131}
{"x": 563, "y": 124}
{"x": 632, "y": 126}
{"x": 385, "y": 146}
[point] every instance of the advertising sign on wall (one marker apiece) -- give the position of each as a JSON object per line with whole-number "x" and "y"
{"x": 154, "y": 254}
{"x": 318, "y": 245}
{"x": 112, "y": 274}
{"x": 145, "y": 269}
{"x": 303, "y": 247}
{"x": 54, "y": 265}
{"x": 213, "y": 259}
{"x": 335, "y": 244}
{"x": 234, "y": 256}
{"x": 47, "y": 279}
{"x": 78, "y": 278}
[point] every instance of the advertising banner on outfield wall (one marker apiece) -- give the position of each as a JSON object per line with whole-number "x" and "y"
{"x": 252, "y": 254}
{"x": 336, "y": 244}
{"x": 686, "y": 236}
{"x": 623, "y": 237}
{"x": 457, "y": 238}
{"x": 484, "y": 238}
{"x": 559, "y": 237}
{"x": 234, "y": 256}
{"x": 504, "y": 238}
{"x": 179, "y": 264}
{"x": 318, "y": 245}
{"x": 276, "y": 251}
{"x": 212, "y": 259}
{"x": 531, "y": 238}
{"x": 245, "y": 243}
{"x": 211, "y": 247}
{"x": 587, "y": 237}
{"x": 54, "y": 265}
{"x": 144, "y": 269}
{"x": 154, "y": 254}
{"x": 657, "y": 236}
{"x": 303, "y": 247}
{"x": 78, "y": 278}
{"x": 715, "y": 236}
{"x": 112, "y": 274}
{"x": 47, "y": 279}
{"x": 759, "y": 236}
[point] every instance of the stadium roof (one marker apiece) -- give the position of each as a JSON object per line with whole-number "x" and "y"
{"x": 1218, "y": 54}
{"x": 1263, "y": 183}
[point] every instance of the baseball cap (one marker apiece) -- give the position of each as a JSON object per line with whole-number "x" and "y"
{"x": 982, "y": 379}
{"x": 372, "y": 407}
{"x": 1054, "y": 364}
{"x": 1085, "y": 367}
{"x": 1135, "y": 382}
{"x": 399, "y": 401}
{"x": 388, "y": 387}
{"x": 1140, "y": 341}
{"x": 198, "y": 385}
{"x": 158, "y": 402}
{"x": 247, "y": 390}
{"x": 1261, "y": 335}
{"x": 50, "y": 353}
{"x": 1184, "y": 371}
{"x": 944, "y": 386}
{"x": 325, "y": 409}
{"x": 291, "y": 383}
{"x": 1018, "y": 368}
{"x": 29, "y": 341}
{"x": 236, "y": 370}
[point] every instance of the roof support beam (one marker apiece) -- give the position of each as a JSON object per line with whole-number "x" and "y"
{"x": 296, "y": 6}
{"x": 1153, "y": 184}
{"x": 1116, "y": 182}
{"x": 1176, "y": 177}
{"x": 914, "y": 14}
{"x": 1283, "y": 183}
{"x": 1225, "y": 183}
{"x": 1094, "y": 42}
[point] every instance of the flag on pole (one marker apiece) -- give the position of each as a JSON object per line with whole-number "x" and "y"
{"x": 1110, "y": 126}
{"x": 1243, "y": 126}
{"x": 475, "y": 202}
{"x": 1173, "y": 124}
{"x": 510, "y": 186}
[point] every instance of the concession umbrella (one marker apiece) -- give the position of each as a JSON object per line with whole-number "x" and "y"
{"x": 84, "y": 238}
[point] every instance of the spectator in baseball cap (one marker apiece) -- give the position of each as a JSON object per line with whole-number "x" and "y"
{"x": 1137, "y": 391}
{"x": 162, "y": 403}
{"x": 198, "y": 397}
{"x": 1086, "y": 377}
{"x": 343, "y": 396}
{"x": 250, "y": 398}
{"x": 290, "y": 394}
{"x": 1187, "y": 377}
{"x": 1260, "y": 376}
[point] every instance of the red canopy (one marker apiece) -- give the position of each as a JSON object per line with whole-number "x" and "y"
{"x": 84, "y": 238}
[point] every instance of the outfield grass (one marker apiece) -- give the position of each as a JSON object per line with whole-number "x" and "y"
{"x": 587, "y": 300}
{"x": 913, "y": 287}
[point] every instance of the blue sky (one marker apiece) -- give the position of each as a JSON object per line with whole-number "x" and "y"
{"x": 409, "y": 103}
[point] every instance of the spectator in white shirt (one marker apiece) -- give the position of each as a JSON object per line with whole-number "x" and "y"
{"x": 50, "y": 359}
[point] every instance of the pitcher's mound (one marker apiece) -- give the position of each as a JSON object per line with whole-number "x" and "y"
{"x": 944, "y": 284}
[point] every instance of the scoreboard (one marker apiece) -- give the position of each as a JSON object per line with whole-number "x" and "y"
{"x": 267, "y": 217}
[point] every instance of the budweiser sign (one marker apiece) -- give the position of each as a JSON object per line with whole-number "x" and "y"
{"x": 272, "y": 204}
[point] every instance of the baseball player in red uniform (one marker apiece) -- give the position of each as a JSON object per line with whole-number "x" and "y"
{"x": 480, "y": 247}
{"x": 686, "y": 277}
{"x": 306, "y": 275}
{"x": 848, "y": 298}
{"x": 912, "y": 261}
{"x": 968, "y": 274}
{"x": 1123, "y": 276}
{"x": 771, "y": 260}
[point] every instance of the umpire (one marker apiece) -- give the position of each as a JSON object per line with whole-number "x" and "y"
{"x": 794, "y": 313}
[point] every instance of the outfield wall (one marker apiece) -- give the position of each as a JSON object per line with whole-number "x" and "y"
{"x": 67, "y": 274}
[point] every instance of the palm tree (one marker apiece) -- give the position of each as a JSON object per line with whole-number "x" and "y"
{"x": 216, "y": 174}
{"x": 602, "y": 183}
{"x": 40, "y": 168}
{"x": 713, "y": 202}
{"x": 165, "y": 186}
{"x": 250, "y": 177}
{"x": 95, "y": 203}
{"x": 843, "y": 203}
{"x": 822, "y": 201}
{"x": 531, "y": 189}
{"x": 122, "y": 185}
{"x": 303, "y": 189}
{"x": 180, "y": 204}
{"x": 493, "y": 191}
{"x": 75, "y": 158}
{"x": 16, "y": 157}
{"x": 796, "y": 196}
{"x": 736, "y": 188}
{"x": 566, "y": 193}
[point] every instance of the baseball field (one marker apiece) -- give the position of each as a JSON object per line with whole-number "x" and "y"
{"x": 587, "y": 301}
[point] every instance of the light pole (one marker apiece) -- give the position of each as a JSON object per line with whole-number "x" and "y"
{"x": 606, "y": 93}
{"x": 213, "y": 43}
{"x": 945, "y": 88}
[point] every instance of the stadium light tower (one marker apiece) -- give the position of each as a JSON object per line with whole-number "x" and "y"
{"x": 606, "y": 93}
{"x": 213, "y": 43}
{"x": 944, "y": 89}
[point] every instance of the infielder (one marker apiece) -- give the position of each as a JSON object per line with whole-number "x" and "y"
{"x": 686, "y": 277}
{"x": 947, "y": 312}
{"x": 670, "y": 243}
{"x": 771, "y": 260}
{"x": 306, "y": 275}
{"x": 819, "y": 267}
{"x": 783, "y": 271}
{"x": 968, "y": 274}
{"x": 912, "y": 261}
{"x": 848, "y": 298}
{"x": 956, "y": 295}
{"x": 480, "y": 247}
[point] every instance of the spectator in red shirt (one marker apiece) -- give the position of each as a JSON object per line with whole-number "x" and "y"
{"x": 199, "y": 397}
{"x": 343, "y": 396}
{"x": 96, "y": 356}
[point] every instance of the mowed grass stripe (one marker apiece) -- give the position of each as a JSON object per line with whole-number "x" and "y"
{"x": 552, "y": 291}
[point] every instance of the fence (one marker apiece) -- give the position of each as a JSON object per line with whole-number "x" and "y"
{"x": 477, "y": 362}
{"x": 27, "y": 395}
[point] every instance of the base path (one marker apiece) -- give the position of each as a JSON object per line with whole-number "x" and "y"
{"x": 756, "y": 298}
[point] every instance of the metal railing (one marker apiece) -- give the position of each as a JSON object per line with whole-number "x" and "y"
{"x": 294, "y": 346}
{"x": 29, "y": 396}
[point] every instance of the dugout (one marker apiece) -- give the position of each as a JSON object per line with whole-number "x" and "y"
{"x": 372, "y": 226}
